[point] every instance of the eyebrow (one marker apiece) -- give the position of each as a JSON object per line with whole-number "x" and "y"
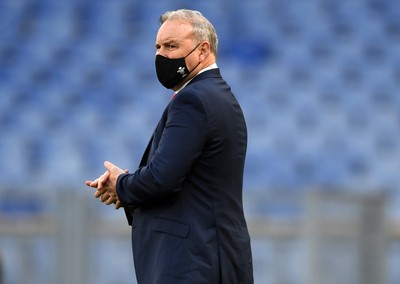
{"x": 169, "y": 41}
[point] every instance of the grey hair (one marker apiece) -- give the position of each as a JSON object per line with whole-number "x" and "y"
{"x": 202, "y": 28}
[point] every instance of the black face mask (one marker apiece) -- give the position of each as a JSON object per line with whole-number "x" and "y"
{"x": 172, "y": 71}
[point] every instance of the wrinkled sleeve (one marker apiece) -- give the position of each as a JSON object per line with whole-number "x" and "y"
{"x": 181, "y": 143}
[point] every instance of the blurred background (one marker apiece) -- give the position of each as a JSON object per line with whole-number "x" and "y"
{"x": 318, "y": 81}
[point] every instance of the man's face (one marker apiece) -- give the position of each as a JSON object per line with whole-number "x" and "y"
{"x": 175, "y": 40}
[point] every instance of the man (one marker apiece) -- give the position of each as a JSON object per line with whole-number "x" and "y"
{"x": 184, "y": 202}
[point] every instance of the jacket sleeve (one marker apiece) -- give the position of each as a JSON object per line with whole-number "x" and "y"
{"x": 181, "y": 143}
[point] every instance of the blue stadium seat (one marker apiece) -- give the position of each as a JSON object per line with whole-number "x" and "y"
{"x": 304, "y": 73}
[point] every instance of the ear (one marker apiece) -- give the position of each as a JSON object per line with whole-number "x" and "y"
{"x": 204, "y": 50}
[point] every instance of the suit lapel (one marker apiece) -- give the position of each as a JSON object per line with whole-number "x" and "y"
{"x": 145, "y": 156}
{"x": 154, "y": 140}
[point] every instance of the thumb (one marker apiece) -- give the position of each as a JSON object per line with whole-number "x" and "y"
{"x": 108, "y": 165}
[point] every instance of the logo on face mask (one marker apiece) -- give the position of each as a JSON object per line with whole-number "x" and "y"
{"x": 181, "y": 70}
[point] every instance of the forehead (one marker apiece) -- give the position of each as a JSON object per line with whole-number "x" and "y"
{"x": 175, "y": 29}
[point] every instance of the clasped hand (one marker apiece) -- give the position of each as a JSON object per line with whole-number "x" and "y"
{"x": 106, "y": 185}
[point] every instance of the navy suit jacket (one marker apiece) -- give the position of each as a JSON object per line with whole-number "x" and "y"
{"x": 185, "y": 200}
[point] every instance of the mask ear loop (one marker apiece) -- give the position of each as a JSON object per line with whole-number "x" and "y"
{"x": 193, "y": 50}
{"x": 191, "y": 53}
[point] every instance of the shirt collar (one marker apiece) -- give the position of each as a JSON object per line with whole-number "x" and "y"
{"x": 212, "y": 66}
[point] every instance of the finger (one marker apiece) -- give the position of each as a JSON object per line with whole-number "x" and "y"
{"x": 117, "y": 205}
{"x": 126, "y": 171}
{"x": 103, "y": 179}
{"x": 110, "y": 200}
{"x": 91, "y": 183}
{"x": 104, "y": 197}
{"x": 104, "y": 176}
{"x": 99, "y": 193}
